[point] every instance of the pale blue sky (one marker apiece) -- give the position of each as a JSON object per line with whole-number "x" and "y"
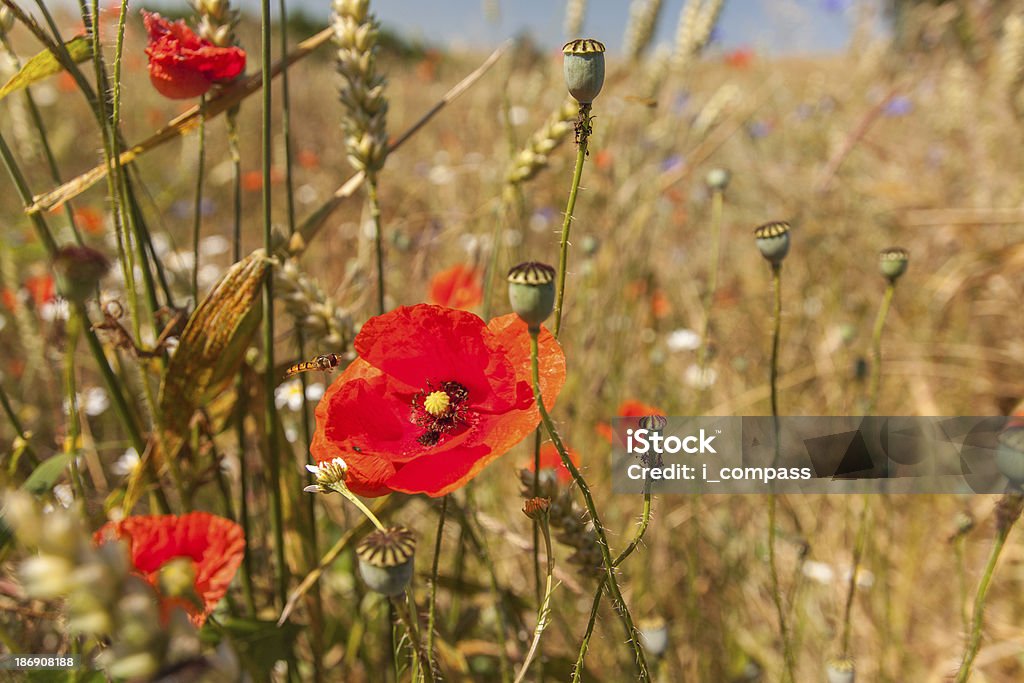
{"x": 774, "y": 26}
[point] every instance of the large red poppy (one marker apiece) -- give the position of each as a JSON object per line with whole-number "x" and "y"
{"x": 181, "y": 64}
{"x": 434, "y": 396}
{"x": 457, "y": 287}
{"x": 214, "y": 544}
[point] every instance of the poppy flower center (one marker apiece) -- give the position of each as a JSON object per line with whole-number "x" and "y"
{"x": 436, "y": 403}
{"x": 439, "y": 411}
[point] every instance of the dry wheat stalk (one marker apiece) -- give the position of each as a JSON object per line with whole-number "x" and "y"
{"x": 356, "y": 33}
{"x": 534, "y": 157}
{"x": 574, "y": 11}
{"x": 643, "y": 19}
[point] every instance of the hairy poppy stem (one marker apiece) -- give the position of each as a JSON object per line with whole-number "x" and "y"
{"x": 876, "y": 348}
{"x": 645, "y": 520}
{"x": 197, "y": 212}
{"x": 776, "y": 589}
{"x": 583, "y": 132}
{"x": 609, "y": 566}
{"x": 1003, "y": 530}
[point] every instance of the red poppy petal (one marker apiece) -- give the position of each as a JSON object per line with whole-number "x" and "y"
{"x": 214, "y": 544}
{"x": 178, "y": 83}
{"x": 421, "y": 343}
{"x": 441, "y": 473}
{"x": 514, "y": 336}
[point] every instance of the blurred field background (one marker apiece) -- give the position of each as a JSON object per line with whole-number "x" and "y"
{"x": 907, "y": 138}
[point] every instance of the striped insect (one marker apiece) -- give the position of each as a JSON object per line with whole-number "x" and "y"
{"x": 324, "y": 363}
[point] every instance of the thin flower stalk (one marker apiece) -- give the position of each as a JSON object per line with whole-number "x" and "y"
{"x": 1008, "y": 512}
{"x": 544, "y": 610}
{"x": 434, "y": 573}
{"x": 584, "y": 130}
{"x": 876, "y": 348}
{"x": 613, "y": 584}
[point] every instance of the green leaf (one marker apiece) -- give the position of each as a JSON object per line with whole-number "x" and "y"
{"x": 45, "y": 64}
{"x": 47, "y": 473}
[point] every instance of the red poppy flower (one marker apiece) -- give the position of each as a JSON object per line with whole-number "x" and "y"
{"x": 434, "y": 396}
{"x": 214, "y": 544}
{"x": 41, "y": 288}
{"x": 551, "y": 460}
{"x": 628, "y": 408}
{"x": 456, "y": 287}
{"x": 181, "y": 64}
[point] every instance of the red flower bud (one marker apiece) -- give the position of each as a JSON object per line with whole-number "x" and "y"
{"x": 181, "y": 64}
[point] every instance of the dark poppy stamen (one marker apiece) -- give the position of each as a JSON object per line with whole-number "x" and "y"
{"x": 439, "y": 411}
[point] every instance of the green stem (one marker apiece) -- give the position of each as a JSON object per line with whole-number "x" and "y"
{"x": 851, "y": 590}
{"x": 12, "y": 417}
{"x": 876, "y": 348}
{"x": 378, "y": 237}
{"x": 544, "y": 610}
{"x": 609, "y": 566}
{"x": 583, "y": 126}
{"x": 974, "y": 642}
{"x": 776, "y": 589}
{"x": 405, "y": 608}
{"x": 197, "y": 213}
{"x": 645, "y": 520}
{"x": 354, "y": 499}
{"x": 74, "y": 426}
{"x": 270, "y": 374}
{"x": 46, "y": 237}
{"x": 434, "y": 570}
{"x": 717, "y": 203}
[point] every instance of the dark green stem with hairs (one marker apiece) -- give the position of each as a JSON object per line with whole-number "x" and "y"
{"x": 609, "y": 566}
{"x": 583, "y": 131}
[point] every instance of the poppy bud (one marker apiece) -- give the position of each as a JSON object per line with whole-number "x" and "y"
{"x": 531, "y": 291}
{"x": 892, "y": 263}
{"x": 718, "y": 179}
{"x": 773, "y": 241}
{"x": 653, "y": 423}
{"x": 79, "y": 270}
{"x": 654, "y": 635}
{"x": 386, "y": 559}
{"x": 536, "y": 508}
{"x": 840, "y": 671}
{"x": 1010, "y": 456}
{"x": 583, "y": 66}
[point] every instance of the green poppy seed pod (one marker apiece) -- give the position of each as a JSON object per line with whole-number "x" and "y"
{"x": 583, "y": 66}
{"x": 386, "y": 559}
{"x": 78, "y": 271}
{"x": 718, "y": 179}
{"x": 531, "y": 291}
{"x": 1010, "y": 456}
{"x": 653, "y": 423}
{"x": 892, "y": 263}
{"x": 840, "y": 671}
{"x": 773, "y": 240}
{"x": 653, "y": 635}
